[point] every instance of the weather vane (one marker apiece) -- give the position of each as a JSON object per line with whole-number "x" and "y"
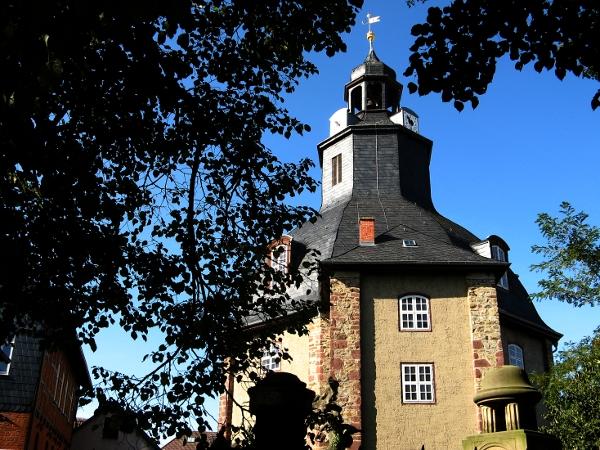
{"x": 370, "y": 34}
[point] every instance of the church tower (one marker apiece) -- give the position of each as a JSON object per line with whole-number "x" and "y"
{"x": 412, "y": 307}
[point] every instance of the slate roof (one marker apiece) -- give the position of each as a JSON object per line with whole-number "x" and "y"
{"x": 515, "y": 305}
{"x": 17, "y": 389}
{"x": 440, "y": 242}
{"x": 189, "y": 443}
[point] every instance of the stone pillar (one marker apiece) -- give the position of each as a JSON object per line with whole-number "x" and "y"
{"x": 345, "y": 346}
{"x": 319, "y": 353}
{"x": 485, "y": 326}
{"x": 485, "y": 329}
{"x": 511, "y": 412}
{"x": 226, "y": 407}
{"x": 488, "y": 416}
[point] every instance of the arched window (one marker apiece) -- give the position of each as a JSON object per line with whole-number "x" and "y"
{"x": 515, "y": 356}
{"x": 280, "y": 258}
{"x": 413, "y": 313}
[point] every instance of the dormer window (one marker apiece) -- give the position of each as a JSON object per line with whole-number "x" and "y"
{"x": 409, "y": 243}
{"x": 279, "y": 258}
{"x": 336, "y": 169}
{"x": 500, "y": 255}
{"x": 5, "y": 358}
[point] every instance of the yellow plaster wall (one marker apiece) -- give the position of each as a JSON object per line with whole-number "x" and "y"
{"x": 298, "y": 348}
{"x": 387, "y": 423}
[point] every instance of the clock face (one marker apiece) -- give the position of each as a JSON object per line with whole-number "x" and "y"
{"x": 411, "y": 122}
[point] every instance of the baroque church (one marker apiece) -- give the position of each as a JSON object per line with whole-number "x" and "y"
{"x": 412, "y": 307}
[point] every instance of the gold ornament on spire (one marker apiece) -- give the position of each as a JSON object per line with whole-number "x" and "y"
{"x": 371, "y": 34}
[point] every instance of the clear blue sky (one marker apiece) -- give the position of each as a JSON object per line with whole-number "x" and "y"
{"x": 532, "y": 143}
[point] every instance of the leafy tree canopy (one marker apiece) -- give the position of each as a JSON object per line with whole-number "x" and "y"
{"x": 572, "y": 395}
{"x": 572, "y": 257}
{"x": 135, "y": 188}
{"x": 456, "y": 50}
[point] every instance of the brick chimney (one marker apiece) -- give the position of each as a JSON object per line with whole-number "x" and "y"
{"x": 366, "y": 231}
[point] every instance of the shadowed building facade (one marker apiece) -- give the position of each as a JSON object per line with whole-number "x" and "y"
{"x": 413, "y": 308}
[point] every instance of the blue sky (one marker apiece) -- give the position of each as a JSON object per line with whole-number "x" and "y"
{"x": 532, "y": 143}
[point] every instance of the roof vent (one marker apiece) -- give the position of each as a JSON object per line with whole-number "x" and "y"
{"x": 409, "y": 243}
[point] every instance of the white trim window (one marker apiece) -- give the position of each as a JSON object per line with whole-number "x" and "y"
{"x": 271, "y": 360}
{"x": 279, "y": 258}
{"x": 7, "y": 350}
{"x": 515, "y": 356}
{"x": 414, "y": 313}
{"x": 336, "y": 169}
{"x": 500, "y": 255}
{"x": 417, "y": 383}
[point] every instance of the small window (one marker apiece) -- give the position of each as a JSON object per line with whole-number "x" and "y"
{"x": 336, "y": 169}
{"x": 279, "y": 258}
{"x": 500, "y": 255}
{"x": 5, "y": 358}
{"x": 271, "y": 359}
{"x": 417, "y": 383}
{"x": 515, "y": 356}
{"x": 409, "y": 243}
{"x": 414, "y": 313}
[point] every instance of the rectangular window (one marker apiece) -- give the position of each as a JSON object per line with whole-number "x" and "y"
{"x": 279, "y": 258}
{"x": 336, "y": 169}
{"x": 5, "y": 358}
{"x": 417, "y": 383}
{"x": 271, "y": 359}
{"x": 414, "y": 313}
{"x": 500, "y": 255}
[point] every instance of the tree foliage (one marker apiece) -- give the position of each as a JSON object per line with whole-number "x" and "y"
{"x": 456, "y": 50}
{"x": 135, "y": 186}
{"x": 571, "y": 257}
{"x": 572, "y": 395}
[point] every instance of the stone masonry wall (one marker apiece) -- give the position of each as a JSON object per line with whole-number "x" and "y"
{"x": 345, "y": 346}
{"x": 13, "y": 429}
{"x": 485, "y": 327}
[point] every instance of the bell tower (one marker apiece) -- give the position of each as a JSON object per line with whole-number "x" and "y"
{"x": 374, "y": 149}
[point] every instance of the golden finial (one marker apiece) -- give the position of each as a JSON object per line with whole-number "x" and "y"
{"x": 370, "y": 34}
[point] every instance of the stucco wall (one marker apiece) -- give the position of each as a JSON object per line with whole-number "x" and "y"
{"x": 387, "y": 422}
{"x": 298, "y": 348}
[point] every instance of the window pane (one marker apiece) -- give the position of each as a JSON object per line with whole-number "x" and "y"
{"x": 417, "y": 384}
{"x": 414, "y": 313}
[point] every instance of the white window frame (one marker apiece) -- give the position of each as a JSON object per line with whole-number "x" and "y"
{"x": 414, "y": 313}
{"x": 418, "y": 383}
{"x": 515, "y": 356}
{"x": 499, "y": 254}
{"x": 336, "y": 170}
{"x": 279, "y": 262}
{"x": 409, "y": 243}
{"x": 271, "y": 360}
{"x": 11, "y": 347}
